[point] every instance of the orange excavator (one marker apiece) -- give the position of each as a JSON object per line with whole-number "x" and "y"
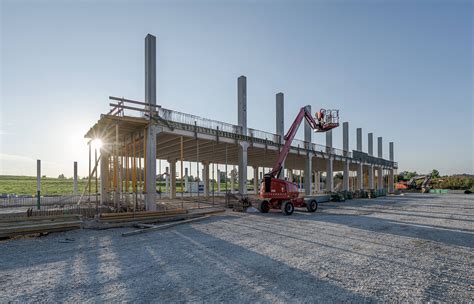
{"x": 281, "y": 194}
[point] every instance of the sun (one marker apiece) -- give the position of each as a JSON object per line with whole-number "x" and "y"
{"x": 96, "y": 143}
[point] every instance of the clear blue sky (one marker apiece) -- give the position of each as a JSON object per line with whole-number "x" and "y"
{"x": 400, "y": 69}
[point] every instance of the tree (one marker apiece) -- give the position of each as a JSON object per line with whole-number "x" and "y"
{"x": 61, "y": 176}
{"x": 435, "y": 173}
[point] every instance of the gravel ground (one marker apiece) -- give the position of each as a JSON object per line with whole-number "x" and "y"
{"x": 413, "y": 248}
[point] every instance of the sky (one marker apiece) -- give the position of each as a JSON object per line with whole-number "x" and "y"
{"x": 400, "y": 69}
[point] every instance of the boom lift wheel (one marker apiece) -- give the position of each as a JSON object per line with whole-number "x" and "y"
{"x": 264, "y": 206}
{"x": 287, "y": 208}
{"x": 312, "y": 206}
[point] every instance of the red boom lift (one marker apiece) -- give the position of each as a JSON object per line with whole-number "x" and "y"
{"x": 278, "y": 193}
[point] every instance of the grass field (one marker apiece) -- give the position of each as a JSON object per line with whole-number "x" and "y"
{"x": 26, "y": 185}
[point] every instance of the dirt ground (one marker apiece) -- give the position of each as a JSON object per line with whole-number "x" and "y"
{"x": 398, "y": 248}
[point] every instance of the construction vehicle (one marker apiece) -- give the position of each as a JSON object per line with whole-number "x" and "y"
{"x": 277, "y": 193}
{"x": 412, "y": 185}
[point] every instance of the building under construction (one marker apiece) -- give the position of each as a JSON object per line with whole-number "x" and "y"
{"x": 136, "y": 135}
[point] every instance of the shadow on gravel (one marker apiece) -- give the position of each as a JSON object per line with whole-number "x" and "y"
{"x": 430, "y": 233}
{"x": 190, "y": 265}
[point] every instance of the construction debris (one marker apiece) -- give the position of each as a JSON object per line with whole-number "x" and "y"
{"x": 10, "y": 227}
{"x": 148, "y": 228}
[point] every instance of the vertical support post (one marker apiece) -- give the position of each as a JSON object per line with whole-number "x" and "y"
{"x": 150, "y": 167}
{"x": 172, "y": 178}
{"x": 116, "y": 168}
{"x": 104, "y": 175}
{"x": 345, "y": 148}
{"x": 150, "y": 71}
{"x": 370, "y": 141}
{"x": 218, "y": 181}
{"x": 75, "y": 179}
{"x": 242, "y": 120}
{"x": 181, "y": 164}
{"x": 89, "y": 176}
{"x": 186, "y": 181}
{"x": 380, "y": 171}
{"x": 391, "y": 180}
{"x": 318, "y": 181}
{"x": 329, "y": 164}
{"x": 167, "y": 182}
{"x": 205, "y": 176}
{"x": 360, "y": 168}
{"x": 308, "y": 131}
{"x": 255, "y": 179}
{"x": 280, "y": 124}
{"x": 38, "y": 184}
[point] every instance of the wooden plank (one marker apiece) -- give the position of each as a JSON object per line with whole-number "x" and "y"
{"x": 164, "y": 226}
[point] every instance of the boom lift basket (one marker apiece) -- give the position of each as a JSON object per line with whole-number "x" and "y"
{"x": 328, "y": 121}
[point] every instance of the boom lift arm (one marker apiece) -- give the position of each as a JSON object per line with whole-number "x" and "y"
{"x": 326, "y": 123}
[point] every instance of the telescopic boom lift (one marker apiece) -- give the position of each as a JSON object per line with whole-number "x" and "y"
{"x": 278, "y": 193}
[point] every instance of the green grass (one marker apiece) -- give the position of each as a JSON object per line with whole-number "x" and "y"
{"x": 26, "y": 185}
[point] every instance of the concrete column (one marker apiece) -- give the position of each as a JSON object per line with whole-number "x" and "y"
{"x": 280, "y": 124}
{"x": 150, "y": 70}
{"x": 243, "y": 146}
{"x": 290, "y": 175}
{"x": 218, "y": 181}
{"x": 150, "y": 196}
{"x": 242, "y": 103}
{"x": 380, "y": 172}
{"x": 329, "y": 165}
{"x": 345, "y": 179}
{"x": 75, "y": 178}
{"x": 360, "y": 176}
{"x": 359, "y": 139}
{"x": 308, "y": 189}
{"x": 345, "y": 148}
{"x": 205, "y": 177}
{"x": 308, "y": 131}
{"x": 232, "y": 186}
{"x": 329, "y": 141}
{"x": 255, "y": 179}
{"x": 318, "y": 181}
{"x": 167, "y": 182}
{"x": 104, "y": 176}
{"x": 360, "y": 168}
{"x": 370, "y": 141}
{"x": 242, "y": 120}
{"x": 172, "y": 178}
{"x": 329, "y": 176}
{"x": 391, "y": 179}
{"x": 186, "y": 180}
